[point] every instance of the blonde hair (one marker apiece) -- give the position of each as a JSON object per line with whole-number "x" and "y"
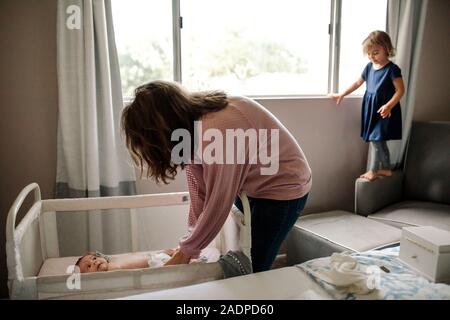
{"x": 380, "y": 38}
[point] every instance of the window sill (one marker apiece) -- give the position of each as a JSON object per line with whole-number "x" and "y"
{"x": 299, "y": 97}
{"x": 275, "y": 97}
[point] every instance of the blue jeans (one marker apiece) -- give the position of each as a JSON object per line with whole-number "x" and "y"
{"x": 271, "y": 222}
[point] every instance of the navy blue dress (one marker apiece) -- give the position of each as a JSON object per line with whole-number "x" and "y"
{"x": 379, "y": 90}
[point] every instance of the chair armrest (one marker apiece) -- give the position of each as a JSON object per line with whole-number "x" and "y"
{"x": 371, "y": 196}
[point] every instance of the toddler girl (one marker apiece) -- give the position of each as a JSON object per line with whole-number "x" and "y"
{"x": 381, "y": 118}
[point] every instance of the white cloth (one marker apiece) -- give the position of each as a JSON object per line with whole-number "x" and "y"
{"x": 390, "y": 277}
{"x": 345, "y": 271}
{"x": 157, "y": 259}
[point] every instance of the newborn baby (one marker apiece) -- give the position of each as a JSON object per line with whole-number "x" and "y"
{"x": 96, "y": 261}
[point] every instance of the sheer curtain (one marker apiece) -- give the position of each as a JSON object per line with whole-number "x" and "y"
{"x": 92, "y": 158}
{"x": 405, "y": 24}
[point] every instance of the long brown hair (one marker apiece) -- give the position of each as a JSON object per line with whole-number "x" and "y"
{"x": 380, "y": 38}
{"x": 160, "y": 107}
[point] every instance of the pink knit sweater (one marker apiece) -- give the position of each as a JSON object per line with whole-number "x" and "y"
{"x": 214, "y": 186}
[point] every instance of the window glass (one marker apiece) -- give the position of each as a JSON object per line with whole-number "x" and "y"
{"x": 256, "y": 47}
{"x": 143, "y": 32}
{"x": 359, "y": 18}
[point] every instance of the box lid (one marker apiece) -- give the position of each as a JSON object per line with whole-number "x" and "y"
{"x": 436, "y": 239}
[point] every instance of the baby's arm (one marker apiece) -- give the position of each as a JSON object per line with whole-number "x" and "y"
{"x": 339, "y": 96}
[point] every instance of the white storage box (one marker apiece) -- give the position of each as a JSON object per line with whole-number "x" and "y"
{"x": 427, "y": 251}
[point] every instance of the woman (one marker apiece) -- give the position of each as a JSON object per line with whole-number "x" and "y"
{"x": 219, "y": 163}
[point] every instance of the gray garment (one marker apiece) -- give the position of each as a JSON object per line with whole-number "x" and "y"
{"x": 379, "y": 159}
{"x": 235, "y": 263}
{"x": 405, "y": 25}
{"x": 92, "y": 159}
{"x": 91, "y": 155}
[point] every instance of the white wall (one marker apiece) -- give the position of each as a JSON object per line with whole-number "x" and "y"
{"x": 28, "y": 105}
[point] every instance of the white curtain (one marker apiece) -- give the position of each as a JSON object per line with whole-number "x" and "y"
{"x": 405, "y": 25}
{"x": 92, "y": 158}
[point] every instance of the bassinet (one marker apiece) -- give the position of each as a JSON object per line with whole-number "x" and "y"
{"x": 34, "y": 243}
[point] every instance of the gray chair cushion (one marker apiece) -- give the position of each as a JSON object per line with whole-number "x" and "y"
{"x": 427, "y": 163}
{"x": 415, "y": 213}
{"x": 321, "y": 234}
{"x": 371, "y": 196}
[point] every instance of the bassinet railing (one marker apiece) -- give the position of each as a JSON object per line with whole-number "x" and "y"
{"x": 20, "y": 245}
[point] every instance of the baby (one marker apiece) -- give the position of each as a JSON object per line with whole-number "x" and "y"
{"x": 97, "y": 262}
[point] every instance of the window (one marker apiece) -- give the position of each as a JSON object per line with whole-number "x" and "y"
{"x": 143, "y": 32}
{"x": 359, "y": 18}
{"x": 256, "y": 47}
{"x": 251, "y": 47}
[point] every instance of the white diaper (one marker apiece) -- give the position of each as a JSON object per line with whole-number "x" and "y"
{"x": 157, "y": 259}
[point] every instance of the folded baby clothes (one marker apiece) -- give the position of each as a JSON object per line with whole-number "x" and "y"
{"x": 390, "y": 278}
{"x": 345, "y": 271}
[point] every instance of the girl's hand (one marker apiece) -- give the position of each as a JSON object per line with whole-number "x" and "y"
{"x": 178, "y": 258}
{"x": 384, "y": 111}
{"x": 337, "y": 97}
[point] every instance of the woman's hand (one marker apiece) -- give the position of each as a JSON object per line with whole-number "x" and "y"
{"x": 384, "y": 111}
{"x": 170, "y": 252}
{"x": 178, "y": 257}
{"x": 336, "y": 97}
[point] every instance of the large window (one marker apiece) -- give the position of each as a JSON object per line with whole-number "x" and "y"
{"x": 256, "y": 47}
{"x": 143, "y": 32}
{"x": 250, "y": 47}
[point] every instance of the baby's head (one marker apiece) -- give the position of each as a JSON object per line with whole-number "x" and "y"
{"x": 379, "y": 39}
{"x": 92, "y": 262}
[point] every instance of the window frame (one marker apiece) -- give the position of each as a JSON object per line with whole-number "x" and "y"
{"x": 334, "y": 33}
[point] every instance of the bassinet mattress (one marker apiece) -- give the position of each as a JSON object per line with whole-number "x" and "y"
{"x": 60, "y": 266}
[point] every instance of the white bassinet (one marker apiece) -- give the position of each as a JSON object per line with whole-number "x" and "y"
{"x": 37, "y": 271}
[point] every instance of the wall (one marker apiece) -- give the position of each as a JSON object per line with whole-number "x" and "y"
{"x": 433, "y": 88}
{"x": 328, "y": 135}
{"x": 28, "y": 104}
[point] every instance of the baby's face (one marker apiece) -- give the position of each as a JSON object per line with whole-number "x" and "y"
{"x": 92, "y": 263}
